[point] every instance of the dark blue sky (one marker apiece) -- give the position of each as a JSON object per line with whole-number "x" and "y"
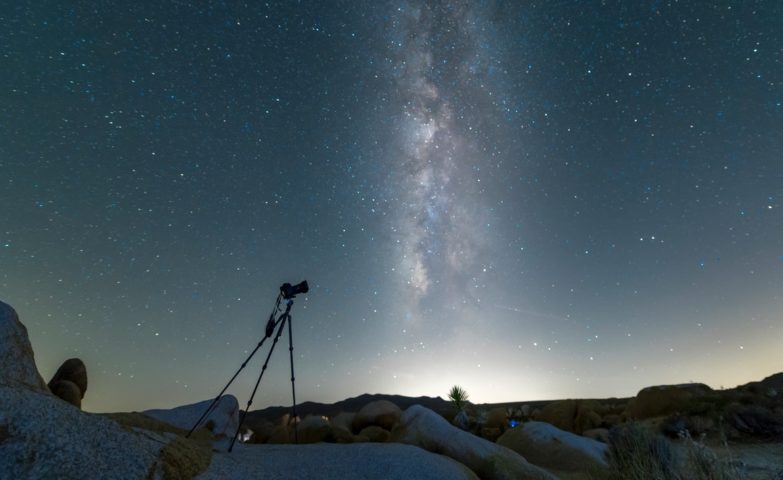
{"x": 531, "y": 200}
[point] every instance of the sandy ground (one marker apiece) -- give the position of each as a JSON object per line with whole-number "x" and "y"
{"x": 758, "y": 461}
{"x": 368, "y": 461}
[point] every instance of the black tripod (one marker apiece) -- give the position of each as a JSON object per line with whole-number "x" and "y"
{"x": 287, "y": 293}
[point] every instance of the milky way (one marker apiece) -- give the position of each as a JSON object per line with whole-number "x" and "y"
{"x": 440, "y": 223}
{"x": 530, "y": 200}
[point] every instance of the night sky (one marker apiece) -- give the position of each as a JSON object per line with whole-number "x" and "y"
{"x": 533, "y": 200}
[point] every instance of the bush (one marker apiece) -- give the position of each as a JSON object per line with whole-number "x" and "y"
{"x": 637, "y": 454}
{"x": 458, "y": 396}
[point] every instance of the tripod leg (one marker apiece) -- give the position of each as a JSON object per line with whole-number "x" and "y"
{"x": 215, "y": 401}
{"x": 293, "y": 389}
{"x": 263, "y": 369}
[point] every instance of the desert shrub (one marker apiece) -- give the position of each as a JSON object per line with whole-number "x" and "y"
{"x": 703, "y": 464}
{"x": 679, "y": 426}
{"x": 675, "y": 426}
{"x": 635, "y": 453}
{"x": 458, "y": 396}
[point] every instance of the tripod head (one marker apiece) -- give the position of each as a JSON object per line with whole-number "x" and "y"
{"x": 289, "y": 291}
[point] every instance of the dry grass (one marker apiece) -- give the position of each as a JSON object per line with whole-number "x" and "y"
{"x": 636, "y": 453}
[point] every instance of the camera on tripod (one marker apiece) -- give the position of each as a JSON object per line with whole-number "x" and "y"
{"x": 287, "y": 292}
{"x": 290, "y": 291}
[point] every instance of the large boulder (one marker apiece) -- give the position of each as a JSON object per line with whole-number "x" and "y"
{"x": 665, "y": 399}
{"x": 426, "y": 429}
{"x": 547, "y": 446}
{"x": 222, "y": 421}
{"x": 497, "y": 418}
{"x": 570, "y": 415}
{"x": 560, "y": 414}
{"x": 43, "y": 437}
{"x": 313, "y": 429}
{"x": 382, "y": 413}
{"x": 343, "y": 420}
{"x": 16, "y": 354}
{"x": 67, "y": 391}
{"x": 72, "y": 373}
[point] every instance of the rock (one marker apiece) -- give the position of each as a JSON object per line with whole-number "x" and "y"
{"x": 374, "y": 433}
{"x": 72, "y": 372}
{"x": 16, "y": 353}
{"x": 223, "y": 421}
{"x": 756, "y": 420}
{"x": 665, "y": 399}
{"x": 68, "y": 391}
{"x": 547, "y": 446}
{"x": 771, "y": 386}
{"x": 313, "y": 429}
{"x": 426, "y": 429}
{"x": 359, "y": 461}
{"x": 43, "y": 437}
{"x": 382, "y": 413}
{"x": 497, "y": 418}
{"x": 343, "y": 420}
{"x": 490, "y": 433}
{"x": 47, "y": 438}
{"x": 598, "y": 434}
{"x": 586, "y": 419}
{"x": 560, "y": 414}
{"x": 571, "y": 415}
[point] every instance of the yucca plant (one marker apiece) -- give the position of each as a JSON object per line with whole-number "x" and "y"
{"x": 459, "y": 397}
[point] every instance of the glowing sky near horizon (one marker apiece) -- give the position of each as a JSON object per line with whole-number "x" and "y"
{"x": 529, "y": 199}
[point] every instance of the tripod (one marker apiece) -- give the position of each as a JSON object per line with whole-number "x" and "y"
{"x": 287, "y": 293}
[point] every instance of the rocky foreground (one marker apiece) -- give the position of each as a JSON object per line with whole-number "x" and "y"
{"x": 718, "y": 435}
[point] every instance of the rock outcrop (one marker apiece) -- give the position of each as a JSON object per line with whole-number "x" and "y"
{"x": 70, "y": 382}
{"x": 570, "y": 415}
{"x": 42, "y": 437}
{"x": 426, "y": 429}
{"x": 222, "y": 421}
{"x": 547, "y": 446}
{"x": 46, "y": 438}
{"x": 17, "y": 363}
{"x": 665, "y": 399}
